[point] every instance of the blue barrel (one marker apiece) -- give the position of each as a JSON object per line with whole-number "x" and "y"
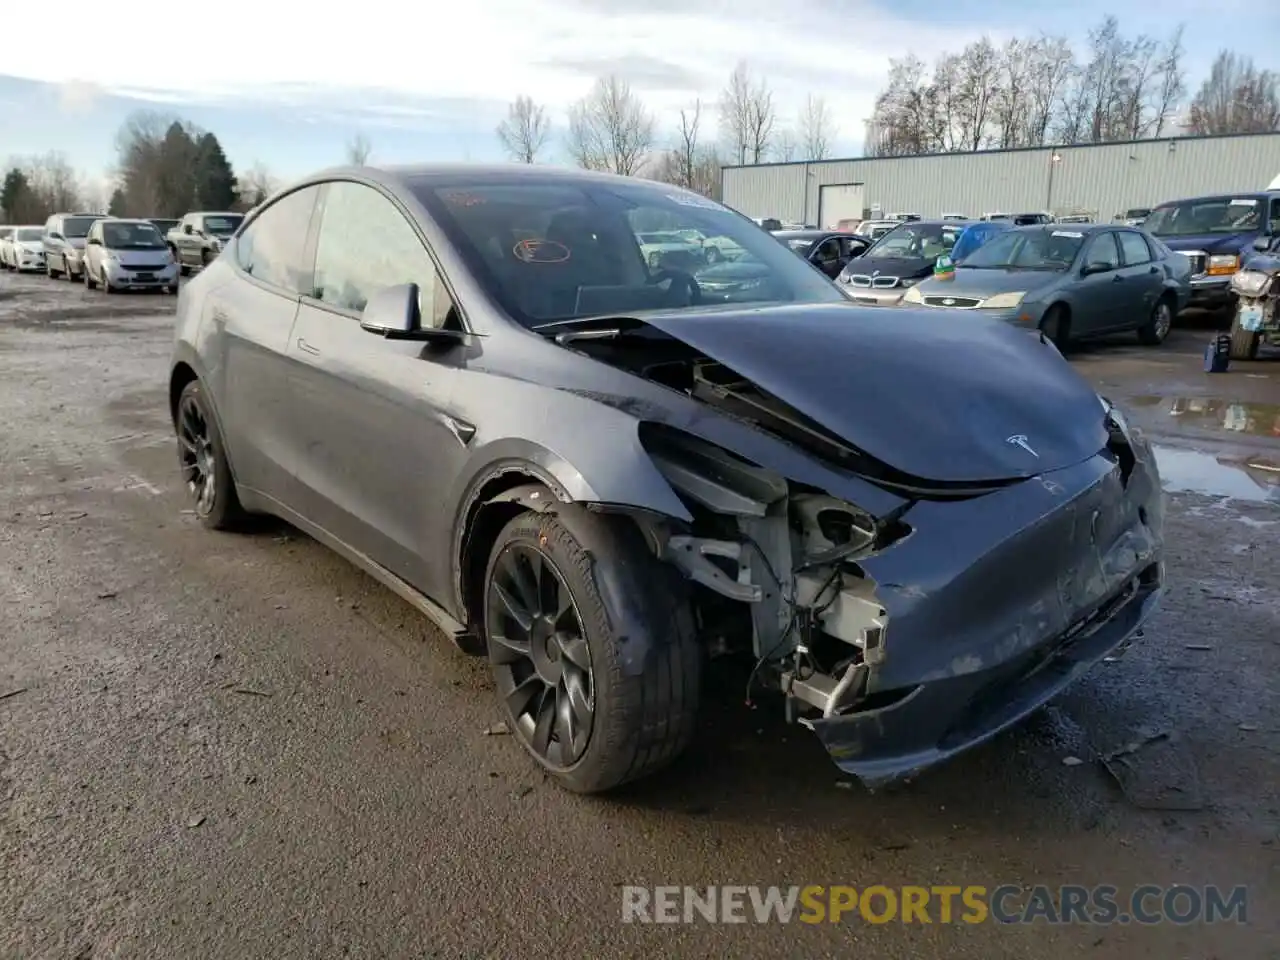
{"x": 1217, "y": 355}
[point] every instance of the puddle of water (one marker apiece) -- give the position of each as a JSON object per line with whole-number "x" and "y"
{"x": 1255, "y": 419}
{"x": 1192, "y": 471}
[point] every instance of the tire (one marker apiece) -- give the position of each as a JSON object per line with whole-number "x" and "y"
{"x": 623, "y": 601}
{"x": 200, "y": 446}
{"x": 52, "y": 273}
{"x": 714, "y": 255}
{"x": 106, "y": 284}
{"x": 205, "y": 259}
{"x": 89, "y": 282}
{"x": 1244, "y": 343}
{"x": 1153, "y": 332}
{"x": 1056, "y": 325}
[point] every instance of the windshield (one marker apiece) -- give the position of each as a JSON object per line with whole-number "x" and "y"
{"x": 28, "y": 234}
{"x": 76, "y": 227}
{"x": 131, "y": 236}
{"x": 165, "y": 225}
{"x": 1023, "y": 249}
{"x": 222, "y": 226}
{"x": 551, "y": 249}
{"x": 1219, "y": 215}
{"x": 916, "y": 241}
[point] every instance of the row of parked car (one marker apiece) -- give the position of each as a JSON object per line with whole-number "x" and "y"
{"x": 117, "y": 253}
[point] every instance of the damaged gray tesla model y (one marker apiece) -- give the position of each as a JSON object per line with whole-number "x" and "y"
{"x": 605, "y": 475}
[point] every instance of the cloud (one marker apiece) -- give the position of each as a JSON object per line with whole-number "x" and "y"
{"x": 78, "y": 96}
{"x": 671, "y": 51}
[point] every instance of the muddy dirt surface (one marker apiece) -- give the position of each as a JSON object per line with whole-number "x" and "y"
{"x": 238, "y": 746}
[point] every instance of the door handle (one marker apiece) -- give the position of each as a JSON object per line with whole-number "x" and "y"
{"x": 307, "y": 348}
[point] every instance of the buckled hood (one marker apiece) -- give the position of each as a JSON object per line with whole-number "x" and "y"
{"x": 936, "y": 399}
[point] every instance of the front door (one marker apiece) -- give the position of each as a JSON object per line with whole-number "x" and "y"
{"x": 251, "y": 323}
{"x": 380, "y": 448}
{"x": 1143, "y": 281}
{"x": 1098, "y": 293}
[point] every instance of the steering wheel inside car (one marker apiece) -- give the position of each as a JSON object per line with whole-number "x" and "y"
{"x": 678, "y": 279}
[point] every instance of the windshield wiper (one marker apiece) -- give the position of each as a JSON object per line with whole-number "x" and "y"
{"x": 589, "y": 328}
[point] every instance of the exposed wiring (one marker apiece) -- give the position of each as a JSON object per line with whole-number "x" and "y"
{"x": 795, "y": 610}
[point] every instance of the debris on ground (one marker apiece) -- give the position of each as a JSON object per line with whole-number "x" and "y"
{"x": 1154, "y": 772}
{"x": 1071, "y": 761}
{"x": 12, "y": 693}
{"x": 196, "y": 822}
{"x": 1198, "y": 646}
{"x": 1248, "y": 727}
{"x": 249, "y": 691}
{"x": 497, "y": 730}
{"x": 107, "y": 595}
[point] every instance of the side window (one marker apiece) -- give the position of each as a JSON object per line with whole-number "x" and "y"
{"x": 1134, "y": 248}
{"x": 271, "y": 248}
{"x": 829, "y": 249}
{"x": 1273, "y": 218}
{"x": 1103, "y": 250}
{"x": 365, "y": 244}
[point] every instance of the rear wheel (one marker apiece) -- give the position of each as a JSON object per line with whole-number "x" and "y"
{"x": 592, "y": 645}
{"x": 89, "y": 282}
{"x": 203, "y": 460}
{"x": 1153, "y": 332}
{"x": 1056, "y": 325}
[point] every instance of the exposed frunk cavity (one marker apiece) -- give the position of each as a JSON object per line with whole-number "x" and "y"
{"x": 788, "y": 556}
{"x": 1120, "y": 449}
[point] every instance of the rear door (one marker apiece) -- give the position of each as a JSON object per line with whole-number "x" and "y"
{"x": 380, "y": 445}
{"x": 1096, "y": 295}
{"x": 1143, "y": 280}
{"x": 251, "y": 322}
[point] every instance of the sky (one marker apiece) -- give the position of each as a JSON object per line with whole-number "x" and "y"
{"x": 288, "y": 86}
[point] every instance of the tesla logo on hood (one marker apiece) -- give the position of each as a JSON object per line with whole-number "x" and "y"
{"x": 1020, "y": 440}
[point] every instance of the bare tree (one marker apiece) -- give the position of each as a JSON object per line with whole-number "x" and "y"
{"x": 525, "y": 130}
{"x": 1171, "y": 84}
{"x": 785, "y": 145}
{"x": 1030, "y": 93}
{"x": 815, "y": 128}
{"x": 689, "y": 163}
{"x": 1050, "y": 71}
{"x": 255, "y": 185}
{"x": 1237, "y": 97}
{"x": 358, "y": 150}
{"x": 94, "y": 195}
{"x": 747, "y": 116}
{"x": 610, "y": 129}
{"x": 46, "y": 184}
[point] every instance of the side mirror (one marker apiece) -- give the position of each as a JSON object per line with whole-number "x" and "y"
{"x": 187, "y": 228}
{"x": 1262, "y": 244}
{"x": 93, "y": 242}
{"x": 56, "y": 236}
{"x": 393, "y": 314}
{"x": 1097, "y": 266}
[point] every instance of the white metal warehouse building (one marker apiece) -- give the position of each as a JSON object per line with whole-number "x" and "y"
{"x": 1101, "y": 180}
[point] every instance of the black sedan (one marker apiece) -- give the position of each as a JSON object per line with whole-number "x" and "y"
{"x": 828, "y": 250}
{"x": 469, "y": 382}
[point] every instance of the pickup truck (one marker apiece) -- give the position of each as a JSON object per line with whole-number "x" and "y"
{"x": 1216, "y": 234}
{"x": 199, "y": 237}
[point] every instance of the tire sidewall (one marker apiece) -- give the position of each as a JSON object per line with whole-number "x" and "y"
{"x": 614, "y": 611}
{"x": 225, "y": 507}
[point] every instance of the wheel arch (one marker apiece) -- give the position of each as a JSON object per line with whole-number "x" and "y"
{"x": 186, "y": 369}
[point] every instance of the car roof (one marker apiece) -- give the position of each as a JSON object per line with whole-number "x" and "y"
{"x": 1211, "y": 198}
{"x": 1085, "y": 228}
{"x": 211, "y": 213}
{"x": 810, "y": 234}
{"x": 138, "y": 220}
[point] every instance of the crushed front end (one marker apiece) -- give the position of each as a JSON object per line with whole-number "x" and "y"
{"x": 903, "y": 640}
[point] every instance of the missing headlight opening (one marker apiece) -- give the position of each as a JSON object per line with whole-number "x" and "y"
{"x": 785, "y": 559}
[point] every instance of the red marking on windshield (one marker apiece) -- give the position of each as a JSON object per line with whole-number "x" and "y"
{"x": 540, "y": 251}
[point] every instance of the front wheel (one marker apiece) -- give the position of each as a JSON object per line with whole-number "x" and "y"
{"x": 1244, "y": 343}
{"x": 592, "y": 645}
{"x": 1153, "y": 332}
{"x": 203, "y": 460}
{"x": 714, "y": 255}
{"x": 1056, "y": 325}
{"x": 89, "y": 282}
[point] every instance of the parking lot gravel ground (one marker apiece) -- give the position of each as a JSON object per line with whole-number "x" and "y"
{"x": 238, "y": 746}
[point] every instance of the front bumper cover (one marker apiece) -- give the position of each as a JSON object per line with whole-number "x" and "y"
{"x": 998, "y": 619}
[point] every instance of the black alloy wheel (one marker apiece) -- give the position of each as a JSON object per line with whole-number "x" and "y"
{"x": 195, "y": 454}
{"x": 540, "y": 655}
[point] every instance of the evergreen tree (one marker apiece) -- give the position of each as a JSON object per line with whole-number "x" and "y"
{"x": 15, "y": 185}
{"x": 215, "y": 182}
{"x": 117, "y": 206}
{"x": 175, "y": 185}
